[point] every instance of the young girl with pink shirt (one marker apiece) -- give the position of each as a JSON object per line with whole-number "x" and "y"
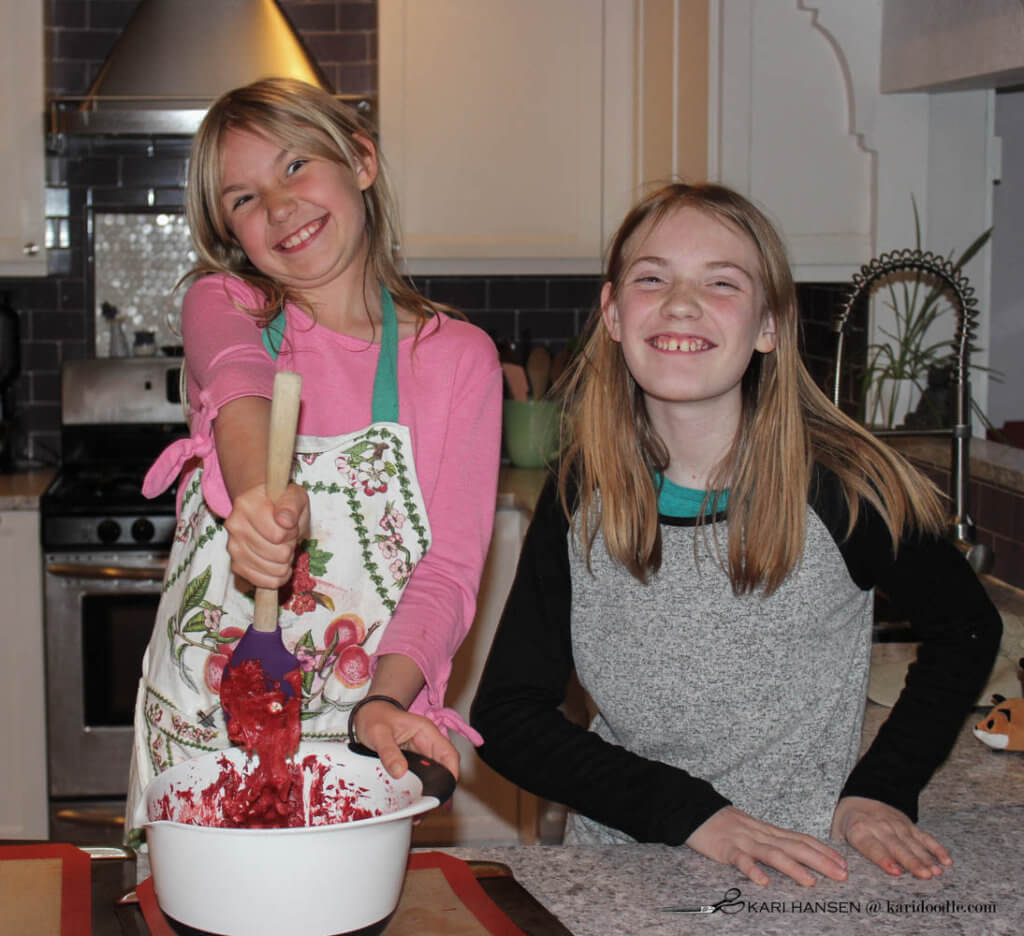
{"x": 378, "y": 543}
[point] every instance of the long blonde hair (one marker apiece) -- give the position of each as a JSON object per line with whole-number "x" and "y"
{"x": 787, "y": 424}
{"x": 309, "y": 120}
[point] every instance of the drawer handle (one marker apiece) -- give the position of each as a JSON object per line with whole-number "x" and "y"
{"x": 107, "y": 852}
{"x": 105, "y": 819}
{"x": 81, "y": 570}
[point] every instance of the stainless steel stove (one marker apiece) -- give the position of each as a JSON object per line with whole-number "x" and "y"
{"x": 105, "y": 548}
{"x": 117, "y": 415}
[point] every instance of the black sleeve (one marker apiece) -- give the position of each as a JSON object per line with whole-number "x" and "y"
{"x": 931, "y": 584}
{"x": 527, "y": 738}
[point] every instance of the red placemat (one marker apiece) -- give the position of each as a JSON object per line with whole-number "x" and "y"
{"x": 456, "y": 872}
{"x": 35, "y": 892}
{"x": 151, "y": 912}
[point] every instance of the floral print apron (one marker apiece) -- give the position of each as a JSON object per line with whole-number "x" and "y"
{"x": 368, "y": 530}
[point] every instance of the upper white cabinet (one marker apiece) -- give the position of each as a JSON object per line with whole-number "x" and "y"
{"x": 22, "y": 159}
{"x": 508, "y": 128}
{"x": 782, "y": 106}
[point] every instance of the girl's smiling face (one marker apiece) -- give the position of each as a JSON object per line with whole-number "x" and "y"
{"x": 689, "y": 313}
{"x": 299, "y": 218}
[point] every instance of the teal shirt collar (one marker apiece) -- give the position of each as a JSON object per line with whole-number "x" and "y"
{"x": 677, "y": 501}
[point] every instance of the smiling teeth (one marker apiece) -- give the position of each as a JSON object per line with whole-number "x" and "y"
{"x": 675, "y": 344}
{"x": 300, "y": 237}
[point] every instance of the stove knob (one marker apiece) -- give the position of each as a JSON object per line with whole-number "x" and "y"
{"x": 109, "y": 531}
{"x": 143, "y": 530}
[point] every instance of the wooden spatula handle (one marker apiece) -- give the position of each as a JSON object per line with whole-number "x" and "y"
{"x": 284, "y": 418}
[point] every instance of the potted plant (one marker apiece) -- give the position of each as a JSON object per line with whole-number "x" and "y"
{"x": 900, "y": 371}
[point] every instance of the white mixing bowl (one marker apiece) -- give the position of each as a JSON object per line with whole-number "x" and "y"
{"x": 317, "y": 881}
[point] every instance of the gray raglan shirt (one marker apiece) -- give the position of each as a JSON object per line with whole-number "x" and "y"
{"x": 707, "y": 698}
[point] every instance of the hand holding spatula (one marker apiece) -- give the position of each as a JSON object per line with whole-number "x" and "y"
{"x": 262, "y": 640}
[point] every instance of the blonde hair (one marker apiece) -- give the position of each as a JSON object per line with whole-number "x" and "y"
{"x": 787, "y": 424}
{"x": 311, "y": 121}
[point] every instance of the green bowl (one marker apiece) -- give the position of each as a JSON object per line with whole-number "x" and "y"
{"x": 530, "y": 431}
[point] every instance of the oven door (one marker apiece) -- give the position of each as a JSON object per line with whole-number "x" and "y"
{"x": 99, "y": 611}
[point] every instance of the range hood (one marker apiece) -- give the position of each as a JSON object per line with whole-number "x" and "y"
{"x": 175, "y": 57}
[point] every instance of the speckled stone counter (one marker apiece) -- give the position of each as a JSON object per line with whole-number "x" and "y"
{"x": 989, "y": 461}
{"x": 21, "y": 490}
{"x": 615, "y": 891}
{"x": 974, "y": 805}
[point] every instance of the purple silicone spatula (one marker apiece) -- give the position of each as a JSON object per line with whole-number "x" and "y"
{"x": 262, "y": 639}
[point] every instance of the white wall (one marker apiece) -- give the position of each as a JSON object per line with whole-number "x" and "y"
{"x": 961, "y": 165}
{"x": 1006, "y": 399}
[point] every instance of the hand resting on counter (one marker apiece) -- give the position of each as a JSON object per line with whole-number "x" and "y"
{"x": 736, "y": 838}
{"x": 887, "y": 837}
{"x": 881, "y": 833}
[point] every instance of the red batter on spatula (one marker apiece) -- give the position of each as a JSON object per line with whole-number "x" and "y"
{"x": 265, "y": 721}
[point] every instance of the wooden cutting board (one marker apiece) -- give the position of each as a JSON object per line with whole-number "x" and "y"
{"x": 430, "y": 904}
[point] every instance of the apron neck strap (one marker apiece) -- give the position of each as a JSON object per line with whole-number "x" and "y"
{"x": 385, "y": 383}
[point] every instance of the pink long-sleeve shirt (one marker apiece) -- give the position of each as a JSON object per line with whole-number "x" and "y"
{"x": 449, "y": 392}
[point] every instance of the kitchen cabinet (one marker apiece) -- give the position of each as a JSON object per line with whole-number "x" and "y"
{"x": 799, "y": 124}
{"x": 782, "y": 103}
{"x": 23, "y": 792}
{"x": 485, "y": 808}
{"x": 22, "y": 159}
{"x": 507, "y": 128}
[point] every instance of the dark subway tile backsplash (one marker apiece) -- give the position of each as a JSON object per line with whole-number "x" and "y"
{"x": 92, "y": 171}
{"x": 553, "y": 327}
{"x": 501, "y": 325}
{"x": 110, "y": 14}
{"x": 354, "y": 15}
{"x": 517, "y": 292}
{"x": 312, "y": 16}
{"x": 351, "y": 79}
{"x": 460, "y": 292}
{"x": 510, "y": 309}
{"x": 574, "y": 292}
{"x": 153, "y": 172}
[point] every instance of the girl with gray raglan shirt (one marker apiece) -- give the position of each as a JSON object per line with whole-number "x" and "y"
{"x": 705, "y": 560}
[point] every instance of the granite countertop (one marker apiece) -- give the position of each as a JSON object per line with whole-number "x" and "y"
{"x": 614, "y": 890}
{"x": 21, "y": 490}
{"x": 974, "y": 805}
{"x": 989, "y": 461}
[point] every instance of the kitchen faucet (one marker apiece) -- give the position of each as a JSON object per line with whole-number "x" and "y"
{"x": 962, "y": 528}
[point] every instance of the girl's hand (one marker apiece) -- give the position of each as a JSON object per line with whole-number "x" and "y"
{"x": 887, "y": 837}
{"x": 733, "y": 837}
{"x": 384, "y": 728}
{"x": 262, "y": 536}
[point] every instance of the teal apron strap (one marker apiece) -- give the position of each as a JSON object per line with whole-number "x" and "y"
{"x": 385, "y": 384}
{"x": 273, "y": 334}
